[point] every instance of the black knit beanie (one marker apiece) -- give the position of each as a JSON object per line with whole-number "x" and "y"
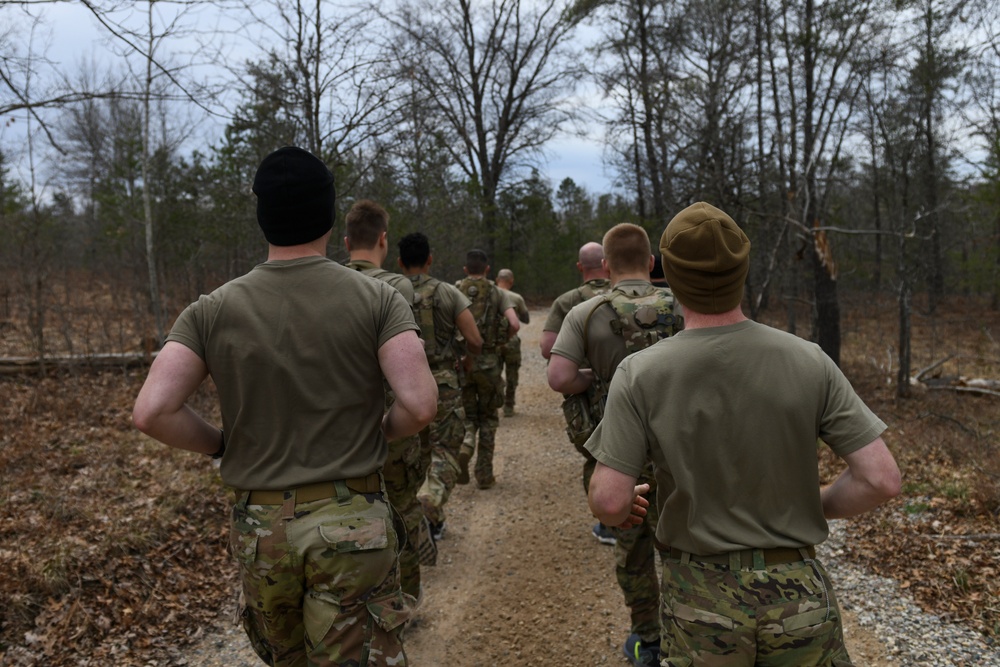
{"x": 295, "y": 197}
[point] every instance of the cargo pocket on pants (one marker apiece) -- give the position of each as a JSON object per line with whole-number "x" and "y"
{"x": 384, "y": 642}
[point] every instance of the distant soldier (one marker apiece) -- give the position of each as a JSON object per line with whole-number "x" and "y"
{"x": 483, "y": 391}
{"x": 595, "y": 336}
{"x": 576, "y": 407}
{"x": 511, "y": 350}
{"x": 731, "y": 412}
{"x": 297, "y": 349}
{"x": 443, "y": 314}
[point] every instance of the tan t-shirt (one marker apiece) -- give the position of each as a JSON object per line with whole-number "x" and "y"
{"x": 293, "y": 349}
{"x": 731, "y": 416}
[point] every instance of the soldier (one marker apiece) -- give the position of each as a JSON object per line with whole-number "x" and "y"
{"x": 297, "y": 349}
{"x": 575, "y": 407}
{"x": 442, "y": 312}
{"x": 367, "y": 241}
{"x": 595, "y": 336}
{"x": 510, "y": 353}
{"x": 483, "y": 391}
{"x": 731, "y": 412}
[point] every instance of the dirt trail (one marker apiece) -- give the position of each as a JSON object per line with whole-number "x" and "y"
{"x": 520, "y": 579}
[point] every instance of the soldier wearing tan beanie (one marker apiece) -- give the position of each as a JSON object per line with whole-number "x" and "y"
{"x": 730, "y": 412}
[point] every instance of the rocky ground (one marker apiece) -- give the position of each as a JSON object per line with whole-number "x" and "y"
{"x": 521, "y": 580}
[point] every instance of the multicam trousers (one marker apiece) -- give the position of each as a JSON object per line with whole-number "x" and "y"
{"x": 636, "y": 570}
{"x": 482, "y": 395}
{"x": 321, "y": 581}
{"x": 445, "y": 435}
{"x": 780, "y": 616}
{"x": 404, "y": 473}
{"x": 511, "y": 355}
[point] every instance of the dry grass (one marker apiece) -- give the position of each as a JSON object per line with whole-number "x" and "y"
{"x": 114, "y": 546}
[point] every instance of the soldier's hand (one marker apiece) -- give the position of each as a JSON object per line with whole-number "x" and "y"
{"x": 639, "y": 508}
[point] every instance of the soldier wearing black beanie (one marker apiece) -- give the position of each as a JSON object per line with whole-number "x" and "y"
{"x": 295, "y": 197}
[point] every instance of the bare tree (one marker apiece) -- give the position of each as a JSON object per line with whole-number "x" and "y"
{"x": 498, "y": 74}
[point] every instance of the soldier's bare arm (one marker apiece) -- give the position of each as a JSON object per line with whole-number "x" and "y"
{"x": 466, "y": 324}
{"x": 405, "y": 368}
{"x": 161, "y": 409}
{"x": 515, "y": 324}
{"x": 615, "y": 498}
{"x": 872, "y": 477}
{"x": 566, "y": 376}
{"x": 546, "y": 342}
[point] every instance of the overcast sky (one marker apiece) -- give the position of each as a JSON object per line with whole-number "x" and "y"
{"x": 76, "y": 36}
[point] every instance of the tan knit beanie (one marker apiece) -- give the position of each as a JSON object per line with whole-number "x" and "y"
{"x": 706, "y": 257}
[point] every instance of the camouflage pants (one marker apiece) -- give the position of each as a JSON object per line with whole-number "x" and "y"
{"x": 781, "y": 616}
{"x": 636, "y": 570}
{"x": 445, "y": 435}
{"x": 511, "y": 366}
{"x": 321, "y": 581}
{"x": 482, "y": 395}
{"x": 403, "y": 473}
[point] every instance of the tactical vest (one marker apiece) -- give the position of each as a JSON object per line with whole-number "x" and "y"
{"x": 485, "y": 308}
{"x": 588, "y": 291}
{"x": 424, "y": 301}
{"x": 641, "y": 321}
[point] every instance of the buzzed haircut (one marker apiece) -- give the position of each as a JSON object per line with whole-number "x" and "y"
{"x": 506, "y": 275}
{"x": 476, "y": 262}
{"x": 414, "y": 250}
{"x": 366, "y": 221}
{"x": 626, "y": 248}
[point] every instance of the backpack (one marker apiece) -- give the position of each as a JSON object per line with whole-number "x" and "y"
{"x": 423, "y": 312}
{"x": 485, "y": 308}
{"x": 641, "y": 321}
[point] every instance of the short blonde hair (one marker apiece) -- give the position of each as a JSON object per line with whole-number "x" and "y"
{"x": 626, "y": 248}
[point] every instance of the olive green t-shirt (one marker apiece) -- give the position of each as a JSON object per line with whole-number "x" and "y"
{"x": 293, "y": 349}
{"x": 731, "y": 416}
{"x": 565, "y": 301}
{"x": 397, "y": 280}
{"x": 520, "y": 307}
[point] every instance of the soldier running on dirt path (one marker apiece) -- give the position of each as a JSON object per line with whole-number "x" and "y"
{"x": 483, "y": 390}
{"x": 510, "y": 352}
{"x": 297, "y": 349}
{"x": 595, "y": 336}
{"x": 590, "y": 264}
{"x": 731, "y": 412}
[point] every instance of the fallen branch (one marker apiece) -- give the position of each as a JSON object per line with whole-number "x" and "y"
{"x": 920, "y": 374}
{"x": 977, "y": 537}
{"x": 18, "y": 365}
